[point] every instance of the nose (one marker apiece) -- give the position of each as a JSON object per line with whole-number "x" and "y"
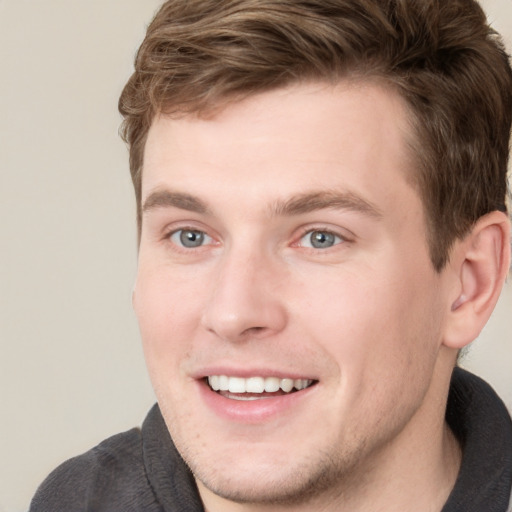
{"x": 245, "y": 302}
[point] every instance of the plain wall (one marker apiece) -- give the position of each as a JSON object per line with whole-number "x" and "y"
{"x": 71, "y": 366}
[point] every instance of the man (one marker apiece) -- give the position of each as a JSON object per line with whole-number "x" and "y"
{"x": 321, "y": 193}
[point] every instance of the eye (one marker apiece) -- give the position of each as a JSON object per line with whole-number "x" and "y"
{"x": 319, "y": 239}
{"x": 190, "y": 238}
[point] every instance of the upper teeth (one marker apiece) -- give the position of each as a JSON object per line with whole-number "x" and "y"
{"x": 256, "y": 384}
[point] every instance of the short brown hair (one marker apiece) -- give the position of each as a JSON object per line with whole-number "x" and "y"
{"x": 442, "y": 57}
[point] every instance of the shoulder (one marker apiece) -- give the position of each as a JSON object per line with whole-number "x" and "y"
{"x": 110, "y": 477}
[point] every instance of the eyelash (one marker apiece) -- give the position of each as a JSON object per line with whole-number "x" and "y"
{"x": 170, "y": 234}
{"x": 338, "y": 238}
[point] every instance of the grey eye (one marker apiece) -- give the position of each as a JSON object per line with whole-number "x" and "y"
{"x": 189, "y": 238}
{"x": 320, "y": 239}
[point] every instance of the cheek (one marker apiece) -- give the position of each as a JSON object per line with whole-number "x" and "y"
{"x": 377, "y": 330}
{"x": 168, "y": 311}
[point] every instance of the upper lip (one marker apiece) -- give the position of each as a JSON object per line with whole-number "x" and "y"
{"x": 251, "y": 372}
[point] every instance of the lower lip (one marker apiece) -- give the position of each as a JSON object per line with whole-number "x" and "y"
{"x": 252, "y": 411}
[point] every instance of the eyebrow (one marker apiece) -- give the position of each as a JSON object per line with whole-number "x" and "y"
{"x": 296, "y": 205}
{"x": 321, "y": 200}
{"x": 167, "y": 199}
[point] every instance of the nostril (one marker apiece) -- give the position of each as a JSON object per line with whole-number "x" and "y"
{"x": 253, "y": 331}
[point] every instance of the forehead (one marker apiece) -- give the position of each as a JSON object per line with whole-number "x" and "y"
{"x": 349, "y": 135}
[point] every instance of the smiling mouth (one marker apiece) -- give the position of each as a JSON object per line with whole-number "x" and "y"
{"x": 256, "y": 388}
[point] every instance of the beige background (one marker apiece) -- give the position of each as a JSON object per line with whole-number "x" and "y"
{"x": 71, "y": 368}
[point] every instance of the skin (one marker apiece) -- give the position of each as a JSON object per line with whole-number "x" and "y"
{"x": 364, "y": 318}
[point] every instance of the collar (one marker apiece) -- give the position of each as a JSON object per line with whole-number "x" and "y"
{"x": 169, "y": 476}
{"x": 483, "y": 426}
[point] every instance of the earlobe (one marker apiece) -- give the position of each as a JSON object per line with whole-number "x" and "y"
{"x": 482, "y": 262}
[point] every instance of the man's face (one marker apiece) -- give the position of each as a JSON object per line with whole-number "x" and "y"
{"x": 282, "y": 244}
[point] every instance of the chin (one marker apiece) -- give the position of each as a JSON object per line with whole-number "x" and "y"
{"x": 270, "y": 482}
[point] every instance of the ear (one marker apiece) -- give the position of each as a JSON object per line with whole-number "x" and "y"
{"x": 481, "y": 262}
